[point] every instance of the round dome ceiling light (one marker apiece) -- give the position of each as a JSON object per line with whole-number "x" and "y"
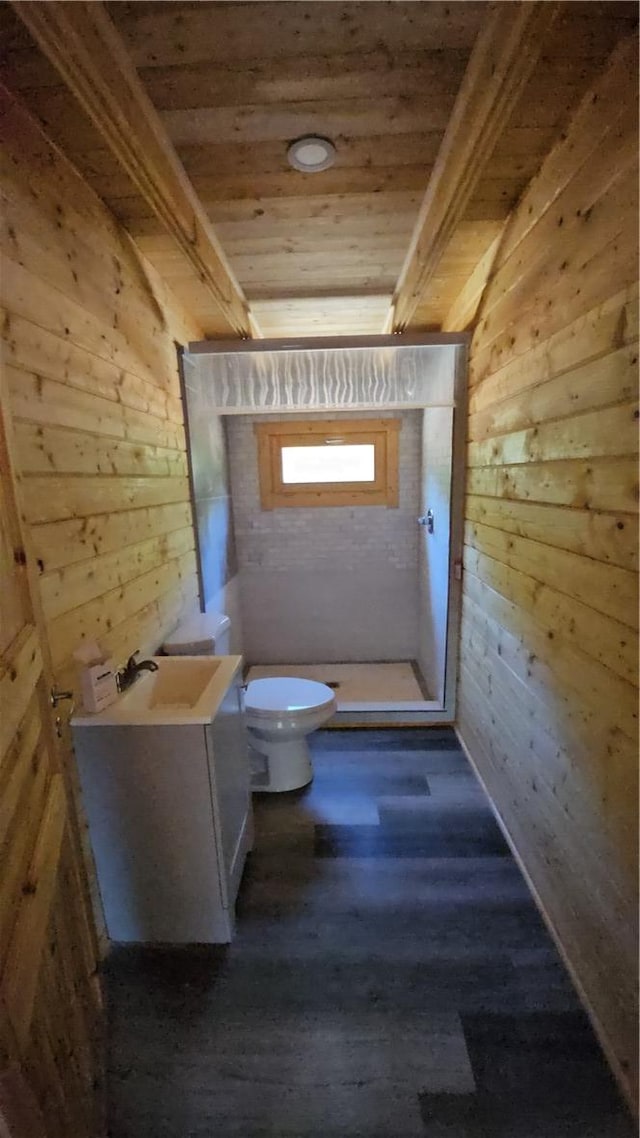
{"x": 311, "y": 154}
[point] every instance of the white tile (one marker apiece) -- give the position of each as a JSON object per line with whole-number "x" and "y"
{"x": 353, "y": 561}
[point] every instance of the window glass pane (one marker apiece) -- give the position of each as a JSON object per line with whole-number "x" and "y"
{"x": 341, "y": 463}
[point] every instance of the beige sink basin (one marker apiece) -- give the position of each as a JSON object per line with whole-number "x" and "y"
{"x": 178, "y": 682}
{"x": 184, "y": 689}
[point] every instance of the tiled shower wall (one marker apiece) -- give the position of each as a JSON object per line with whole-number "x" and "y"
{"x": 326, "y": 584}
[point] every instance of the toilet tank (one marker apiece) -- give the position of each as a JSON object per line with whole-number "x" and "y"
{"x": 207, "y": 634}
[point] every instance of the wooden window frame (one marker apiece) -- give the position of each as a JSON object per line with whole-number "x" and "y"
{"x": 381, "y": 433}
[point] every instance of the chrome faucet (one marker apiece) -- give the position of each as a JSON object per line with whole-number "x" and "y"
{"x": 129, "y": 674}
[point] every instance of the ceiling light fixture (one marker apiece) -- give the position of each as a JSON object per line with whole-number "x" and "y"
{"x": 311, "y": 153}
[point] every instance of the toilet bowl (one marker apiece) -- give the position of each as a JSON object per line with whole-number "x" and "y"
{"x": 280, "y": 712}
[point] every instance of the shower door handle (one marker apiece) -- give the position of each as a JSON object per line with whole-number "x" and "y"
{"x": 427, "y": 521}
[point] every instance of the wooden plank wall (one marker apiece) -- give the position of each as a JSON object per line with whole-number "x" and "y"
{"x": 51, "y": 1015}
{"x": 548, "y": 666}
{"x": 89, "y": 354}
{"x": 100, "y": 473}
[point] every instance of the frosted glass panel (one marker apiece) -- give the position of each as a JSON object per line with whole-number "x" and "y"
{"x": 323, "y": 379}
{"x": 348, "y": 463}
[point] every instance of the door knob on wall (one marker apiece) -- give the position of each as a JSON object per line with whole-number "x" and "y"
{"x": 58, "y": 696}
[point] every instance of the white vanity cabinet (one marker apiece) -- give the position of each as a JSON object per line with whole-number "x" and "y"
{"x": 169, "y": 811}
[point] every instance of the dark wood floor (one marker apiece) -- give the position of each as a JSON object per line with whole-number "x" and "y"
{"x": 390, "y": 977}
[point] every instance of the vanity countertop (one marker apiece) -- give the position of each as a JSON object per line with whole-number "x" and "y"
{"x": 185, "y": 690}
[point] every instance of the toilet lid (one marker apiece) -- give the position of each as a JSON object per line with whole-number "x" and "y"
{"x": 284, "y": 693}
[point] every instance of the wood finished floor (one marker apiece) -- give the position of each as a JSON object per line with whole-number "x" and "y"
{"x": 390, "y": 977}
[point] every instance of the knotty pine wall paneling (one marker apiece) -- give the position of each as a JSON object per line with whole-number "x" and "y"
{"x": 100, "y": 476}
{"x": 51, "y": 1014}
{"x": 548, "y": 664}
{"x": 89, "y": 356}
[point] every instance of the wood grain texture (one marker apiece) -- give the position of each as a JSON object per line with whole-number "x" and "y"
{"x": 461, "y": 314}
{"x": 548, "y": 689}
{"x": 45, "y": 981}
{"x": 82, "y": 43}
{"x": 234, "y": 83}
{"x": 548, "y": 676}
{"x": 90, "y": 375}
{"x": 381, "y": 490}
{"x": 503, "y": 57}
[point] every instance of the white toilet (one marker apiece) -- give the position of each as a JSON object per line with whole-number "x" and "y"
{"x": 280, "y": 711}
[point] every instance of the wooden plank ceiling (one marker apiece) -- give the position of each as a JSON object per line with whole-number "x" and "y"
{"x": 234, "y": 83}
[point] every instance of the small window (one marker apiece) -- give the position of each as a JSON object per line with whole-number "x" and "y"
{"x": 345, "y": 462}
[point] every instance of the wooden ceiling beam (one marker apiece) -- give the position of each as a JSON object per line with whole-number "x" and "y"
{"x": 504, "y": 55}
{"x": 462, "y": 314}
{"x": 82, "y": 43}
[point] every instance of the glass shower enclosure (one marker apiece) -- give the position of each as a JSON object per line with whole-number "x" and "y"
{"x": 335, "y": 590}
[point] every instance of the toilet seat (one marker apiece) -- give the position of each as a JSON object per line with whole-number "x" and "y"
{"x": 284, "y": 695}
{"x": 280, "y": 712}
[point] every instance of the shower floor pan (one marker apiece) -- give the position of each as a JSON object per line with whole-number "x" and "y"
{"x": 360, "y": 687}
